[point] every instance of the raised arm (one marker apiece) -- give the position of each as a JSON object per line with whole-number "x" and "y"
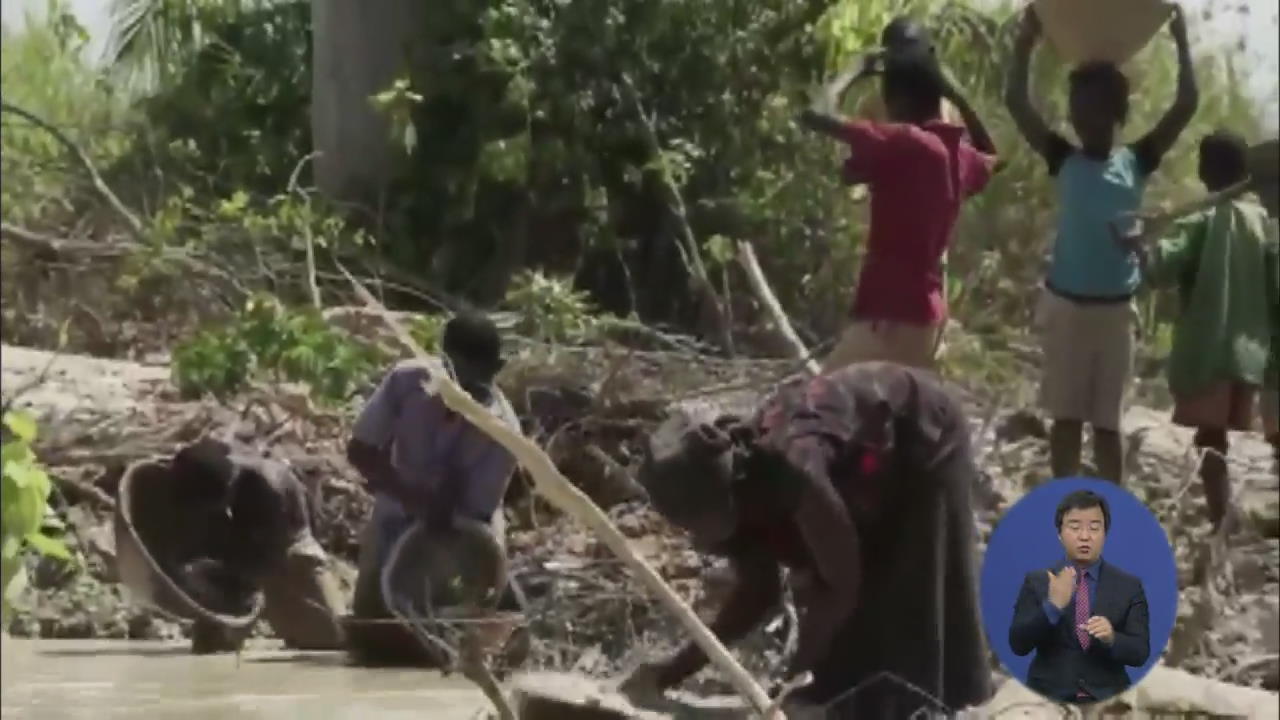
{"x": 1156, "y": 144}
{"x": 978, "y": 134}
{"x": 1017, "y": 93}
{"x": 823, "y": 115}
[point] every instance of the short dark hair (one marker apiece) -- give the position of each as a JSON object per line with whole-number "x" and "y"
{"x": 472, "y": 336}
{"x": 1082, "y": 500}
{"x": 914, "y": 78}
{"x": 1227, "y": 153}
{"x": 1108, "y": 79}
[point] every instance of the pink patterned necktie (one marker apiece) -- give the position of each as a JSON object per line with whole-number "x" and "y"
{"x": 1082, "y": 609}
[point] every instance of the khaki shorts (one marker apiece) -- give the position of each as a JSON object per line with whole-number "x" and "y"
{"x": 1270, "y": 410}
{"x": 1225, "y": 406}
{"x": 885, "y": 340}
{"x": 1088, "y": 359}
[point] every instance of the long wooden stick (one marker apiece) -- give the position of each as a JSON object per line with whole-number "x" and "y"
{"x": 556, "y": 488}
{"x": 756, "y": 278}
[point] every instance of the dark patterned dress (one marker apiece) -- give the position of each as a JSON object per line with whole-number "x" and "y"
{"x": 895, "y": 445}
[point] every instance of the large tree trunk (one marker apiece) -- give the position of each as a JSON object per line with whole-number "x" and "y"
{"x": 360, "y": 48}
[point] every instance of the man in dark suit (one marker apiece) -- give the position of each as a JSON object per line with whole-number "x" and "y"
{"x": 1086, "y": 619}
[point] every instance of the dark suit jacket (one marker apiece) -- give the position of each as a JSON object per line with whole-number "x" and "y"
{"x": 1060, "y": 666}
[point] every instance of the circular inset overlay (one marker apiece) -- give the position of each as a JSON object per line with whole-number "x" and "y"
{"x": 1026, "y": 546}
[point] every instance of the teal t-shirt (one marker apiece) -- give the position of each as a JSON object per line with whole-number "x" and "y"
{"x": 1091, "y": 193}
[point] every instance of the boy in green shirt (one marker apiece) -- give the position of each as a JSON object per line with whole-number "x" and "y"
{"x": 1224, "y": 263}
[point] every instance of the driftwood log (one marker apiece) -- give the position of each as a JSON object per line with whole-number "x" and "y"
{"x": 557, "y": 489}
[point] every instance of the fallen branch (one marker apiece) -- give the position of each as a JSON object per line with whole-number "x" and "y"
{"x": 98, "y": 183}
{"x": 756, "y": 278}
{"x": 687, "y": 244}
{"x": 312, "y": 284}
{"x": 74, "y": 489}
{"x": 552, "y": 485}
{"x": 113, "y": 250}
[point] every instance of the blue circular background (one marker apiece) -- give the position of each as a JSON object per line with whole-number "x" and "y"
{"x": 1026, "y": 540}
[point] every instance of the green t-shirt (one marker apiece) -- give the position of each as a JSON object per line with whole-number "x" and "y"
{"x": 1226, "y": 266}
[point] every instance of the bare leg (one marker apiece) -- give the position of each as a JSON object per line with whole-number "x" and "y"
{"x": 1064, "y": 448}
{"x": 1214, "y": 474}
{"x": 1108, "y": 454}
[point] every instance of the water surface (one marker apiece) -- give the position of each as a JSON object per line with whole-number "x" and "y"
{"x": 98, "y": 679}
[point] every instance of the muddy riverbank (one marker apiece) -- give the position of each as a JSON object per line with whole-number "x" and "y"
{"x": 589, "y": 615}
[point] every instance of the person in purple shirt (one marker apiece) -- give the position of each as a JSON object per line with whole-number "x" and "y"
{"x": 426, "y": 464}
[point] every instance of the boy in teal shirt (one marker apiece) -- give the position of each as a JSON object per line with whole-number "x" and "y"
{"x": 1085, "y": 315}
{"x": 1224, "y": 263}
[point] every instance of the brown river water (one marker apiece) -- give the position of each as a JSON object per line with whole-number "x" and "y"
{"x": 97, "y": 680}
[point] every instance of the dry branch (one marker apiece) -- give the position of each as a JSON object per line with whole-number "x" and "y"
{"x": 756, "y": 278}
{"x": 114, "y": 250}
{"x": 556, "y": 488}
{"x": 94, "y": 176}
{"x": 687, "y": 245}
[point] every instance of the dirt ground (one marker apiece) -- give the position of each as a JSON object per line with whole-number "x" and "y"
{"x": 590, "y": 409}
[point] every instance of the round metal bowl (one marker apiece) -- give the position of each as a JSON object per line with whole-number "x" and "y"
{"x": 147, "y": 516}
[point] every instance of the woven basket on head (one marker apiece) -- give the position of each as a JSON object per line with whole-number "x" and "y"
{"x": 1101, "y": 30}
{"x": 147, "y": 520}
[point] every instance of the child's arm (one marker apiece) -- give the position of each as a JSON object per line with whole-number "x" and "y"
{"x": 978, "y": 134}
{"x": 1048, "y": 144}
{"x": 1156, "y": 144}
{"x": 824, "y": 114}
{"x": 1175, "y": 248}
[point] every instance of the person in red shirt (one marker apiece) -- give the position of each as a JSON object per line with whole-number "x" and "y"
{"x": 919, "y": 169}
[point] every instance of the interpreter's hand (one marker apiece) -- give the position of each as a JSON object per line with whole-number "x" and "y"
{"x": 1061, "y": 586}
{"x": 1100, "y": 628}
{"x": 643, "y": 685}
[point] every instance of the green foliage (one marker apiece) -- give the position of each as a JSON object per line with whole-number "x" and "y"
{"x": 42, "y": 71}
{"x": 271, "y": 341}
{"x": 229, "y": 86}
{"x": 397, "y": 103}
{"x": 25, "y": 517}
{"x": 428, "y": 331}
{"x": 550, "y": 310}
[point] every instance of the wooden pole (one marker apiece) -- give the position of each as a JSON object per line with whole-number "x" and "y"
{"x": 756, "y": 278}
{"x": 556, "y": 488}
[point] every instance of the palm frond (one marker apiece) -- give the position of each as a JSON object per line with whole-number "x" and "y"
{"x": 150, "y": 39}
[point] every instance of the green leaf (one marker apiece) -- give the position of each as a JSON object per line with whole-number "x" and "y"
{"x": 15, "y": 583}
{"x": 721, "y": 249}
{"x": 21, "y": 424}
{"x": 49, "y": 547}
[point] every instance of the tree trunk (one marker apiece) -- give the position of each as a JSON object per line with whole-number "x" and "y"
{"x": 360, "y": 48}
